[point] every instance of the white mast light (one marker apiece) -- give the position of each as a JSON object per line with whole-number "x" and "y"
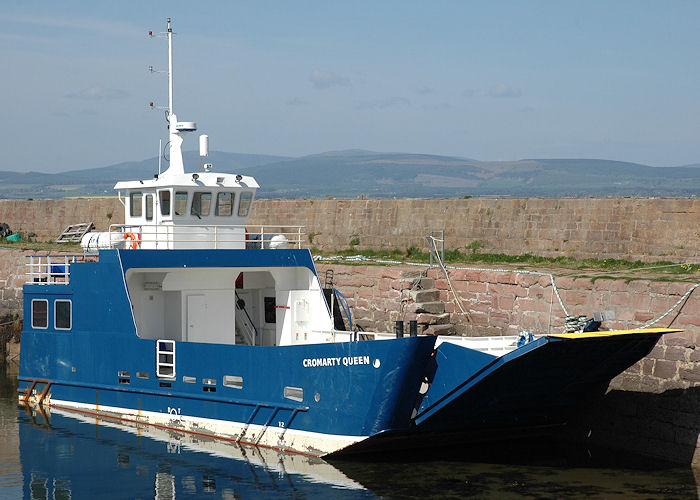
{"x": 203, "y": 145}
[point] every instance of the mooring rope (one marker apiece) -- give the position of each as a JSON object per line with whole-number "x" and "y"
{"x": 684, "y": 297}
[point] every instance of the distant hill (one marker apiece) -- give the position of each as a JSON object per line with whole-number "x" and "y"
{"x": 355, "y": 173}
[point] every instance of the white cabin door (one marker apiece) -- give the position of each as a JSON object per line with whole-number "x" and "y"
{"x": 196, "y": 318}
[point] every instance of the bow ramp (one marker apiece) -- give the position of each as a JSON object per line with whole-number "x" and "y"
{"x": 534, "y": 385}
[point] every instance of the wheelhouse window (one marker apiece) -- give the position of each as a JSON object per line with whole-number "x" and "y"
{"x": 180, "y": 202}
{"x": 149, "y": 207}
{"x": 224, "y": 204}
{"x": 40, "y": 313}
{"x": 164, "y": 202}
{"x": 201, "y": 204}
{"x": 244, "y": 203}
{"x": 136, "y": 210}
{"x": 62, "y": 315}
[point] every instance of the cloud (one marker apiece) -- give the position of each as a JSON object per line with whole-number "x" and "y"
{"x": 98, "y": 93}
{"x": 503, "y": 91}
{"x": 425, "y": 90}
{"x": 526, "y": 109}
{"x": 326, "y": 79}
{"x": 297, "y": 102}
{"x": 469, "y": 93}
{"x": 389, "y": 102}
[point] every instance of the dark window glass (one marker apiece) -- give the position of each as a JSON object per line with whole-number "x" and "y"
{"x": 201, "y": 203}
{"x": 40, "y": 313}
{"x": 244, "y": 203}
{"x": 164, "y": 202}
{"x": 224, "y": 204}
{"x": 180, "y": 203}
{"x": 270, "y": 315}
{"x": 135, "y": 204}
{"x": 149, "y": 207}
{"x": 62, "y": 314}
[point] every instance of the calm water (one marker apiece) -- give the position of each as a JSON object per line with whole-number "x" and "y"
{"x": 60, "y": 456}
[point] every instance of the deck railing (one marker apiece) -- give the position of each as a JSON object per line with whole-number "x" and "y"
{"x": 162, "y": 236}
{"x": 53, "y": 269}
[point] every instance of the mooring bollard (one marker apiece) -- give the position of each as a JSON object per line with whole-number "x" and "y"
{"x": 413, "y": 327}
{"x": 399, "y": 329}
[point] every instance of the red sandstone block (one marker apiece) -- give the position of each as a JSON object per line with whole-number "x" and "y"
{"x": 391, "y": 272}
{"x": 620, "y": 299}
{"x": 506, "y": 303}
{"x": 658, "y": 352}
{"x": 506, "y": 278}
{"x": 583, "y": 284}
{"x": 647, "y": 366}
{"x": 639, "y": 286}
{"x": 678, "y": 288}
{"x": 458, "y": 274}
{"x": 682, "y": 339}
{"x": 565, "y": 283}
{"x": 640, "y": 302}
{"x": 472, "y": 276}
{"x": 692, "y": 306}
{"x": 659, "y": 287}
{"x": 441, "y": 284}
{"x": 499, "y": 319}
{"x": 676, "y": 353}
{"x": 572, "y": 298}
{"x": 527, "y": 280}
{"x": 477, "y": 287}
{"x": 665, "y": 369}
{"x": 691, "y": 374}
{"x": 660, "y": 304}
{"x": 689, "y": 322}
{"x": 361, "y": 303}
{"x": 643, "y": 317}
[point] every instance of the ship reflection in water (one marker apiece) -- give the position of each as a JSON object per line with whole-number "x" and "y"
{"x": 63, "y": 456}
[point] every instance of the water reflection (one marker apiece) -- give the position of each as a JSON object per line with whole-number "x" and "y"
{"x": 64, "y": 456}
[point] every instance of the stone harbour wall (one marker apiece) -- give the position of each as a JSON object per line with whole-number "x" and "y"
{"x": 652, "y": 408}
{"x": 620, "y": 228}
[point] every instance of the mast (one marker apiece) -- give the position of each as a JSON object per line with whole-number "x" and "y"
{"x": 170, "y": 69}
{"x": 177, "y": 130}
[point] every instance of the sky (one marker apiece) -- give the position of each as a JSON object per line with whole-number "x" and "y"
{"x": 488, "y": 80}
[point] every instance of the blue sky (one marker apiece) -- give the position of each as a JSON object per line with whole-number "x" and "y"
{"x": 490, "y": 80}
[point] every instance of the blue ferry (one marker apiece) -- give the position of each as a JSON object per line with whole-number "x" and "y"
{"x": 182, "y": 318}
{"x": 188, "y": 319}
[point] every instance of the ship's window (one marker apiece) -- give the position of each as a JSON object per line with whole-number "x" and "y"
{"x": 244, "y": 203}
{"x": 164, "y": 202}
{"x": 40, "y": 313}
{"x": 201, "y": 203}
{"x": 270, "y": 313}
{"x": 62, "y": 314}
{"x": 149, "y": 207}
{"x": 142, "y": 374}
{"x": 180, "y": 202}
{"x": 224, "y": 204}
{"x": 135, "y": 204}
{"x": 189, "y": 380}
{"x": 294, "y": 393}
{"x": 233, "y": 381}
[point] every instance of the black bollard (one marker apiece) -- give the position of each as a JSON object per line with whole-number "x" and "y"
{"x": 413, "y": 327}
{"x": 399, "y": 329}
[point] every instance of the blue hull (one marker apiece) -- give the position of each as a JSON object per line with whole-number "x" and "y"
{"x": 305, "y": 398}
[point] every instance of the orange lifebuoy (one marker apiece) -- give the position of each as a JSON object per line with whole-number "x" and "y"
{"x": 135, "y": 241}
